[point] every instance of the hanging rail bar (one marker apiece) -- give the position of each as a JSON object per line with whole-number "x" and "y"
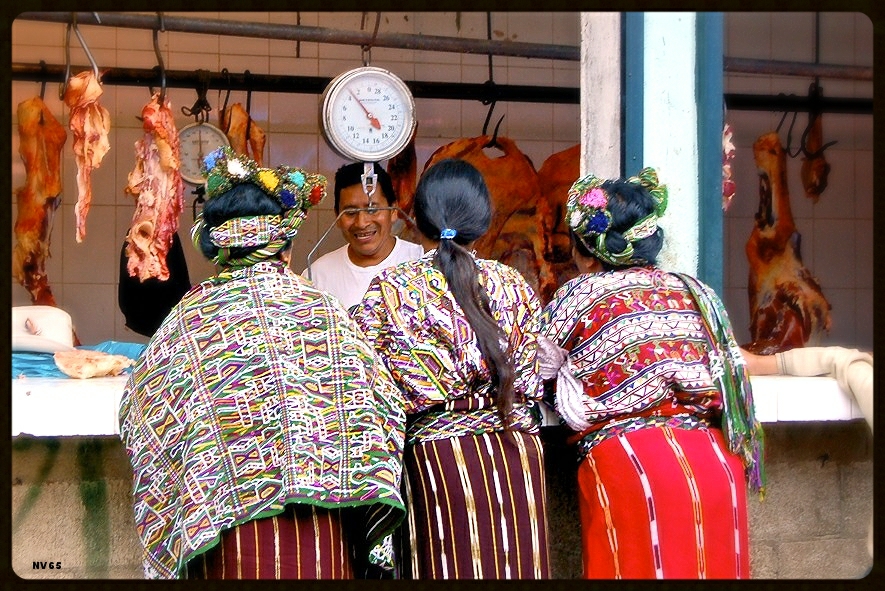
{"x": 316, "y": 34}
{"x": 731, "y": 65}
{"x": 427, "y": 90}
{"x": 736, "y": 65}
{"x": 753, "y": 102}
{"x": 303, "y": 84}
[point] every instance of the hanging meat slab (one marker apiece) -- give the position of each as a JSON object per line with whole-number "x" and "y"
{"x": 245, "y": 136}
{"x": 787, "y": 307}
{"x": 729, "y": 188}
{"x": 41, "y": 139}
{"x": 90, "y": 123}
{"x": 156, "y": 184}
{"x": 815, "y": 168}
{"x": 555, "y": 178}
{"x": 403, "y": 171}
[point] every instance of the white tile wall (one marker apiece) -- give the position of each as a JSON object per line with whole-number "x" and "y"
{"x": 837, "y": 241}
{"x": 84, "y": 276}
{"x": 835, "y": 230}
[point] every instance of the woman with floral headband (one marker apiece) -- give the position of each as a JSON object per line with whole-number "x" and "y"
{"x": 264, "y": 435}
{"x": 456, "y": 332}
{"x": 651, "y": 381}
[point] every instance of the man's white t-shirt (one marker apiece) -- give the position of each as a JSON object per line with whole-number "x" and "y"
{"x": 334, "y": 272}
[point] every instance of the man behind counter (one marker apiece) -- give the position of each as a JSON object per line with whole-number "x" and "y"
{"x": 371, "y": 247}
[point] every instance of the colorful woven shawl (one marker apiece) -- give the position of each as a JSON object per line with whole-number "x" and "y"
{"x": 258, "y": 391}
{"x": 412, "y": 319}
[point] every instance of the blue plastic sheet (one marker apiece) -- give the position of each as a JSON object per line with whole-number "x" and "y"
{"x": 42, "y": 365}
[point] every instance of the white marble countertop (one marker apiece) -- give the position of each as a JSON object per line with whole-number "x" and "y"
{"x": 58, "y": 407}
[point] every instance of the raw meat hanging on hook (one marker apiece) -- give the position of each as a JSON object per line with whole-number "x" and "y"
{"x": 787, "y": 307}
{"x": 41, "y": 139}
{"x": 815, "y": 168}
{"x": 90, "y": 123}
{"x": 156, "y": 184}
{"x": 245, "y": 136}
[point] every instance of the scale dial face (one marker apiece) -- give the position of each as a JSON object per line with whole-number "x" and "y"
{"x": 368, "y": 114}
{"x": 197, "y": 140}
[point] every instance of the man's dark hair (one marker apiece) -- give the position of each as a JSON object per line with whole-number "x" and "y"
{"x": 349, "y": 175}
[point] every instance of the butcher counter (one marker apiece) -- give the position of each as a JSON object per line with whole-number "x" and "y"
{"x": 65, "y": 407}
{"x": 71, "y": 483}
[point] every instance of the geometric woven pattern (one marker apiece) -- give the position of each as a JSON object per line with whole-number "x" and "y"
{"x": 419, "y": 330}
{"x": 257, "y": 391}
{"x": 636, "y": 340}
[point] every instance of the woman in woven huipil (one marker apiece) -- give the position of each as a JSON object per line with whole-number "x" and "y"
{"x": 264, "y": 434}
{"x": 653, "y": 384}
{"x": 457, "y": 333}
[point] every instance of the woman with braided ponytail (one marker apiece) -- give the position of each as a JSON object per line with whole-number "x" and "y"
{"x": 652, "y": 383}
{"x": 457, "y": 333}
{"x": 265, "y": 435}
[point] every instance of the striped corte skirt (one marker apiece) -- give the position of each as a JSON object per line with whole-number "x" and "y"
{"x": 664, "y": 503}
{"x": 476, "y": 508}
{"x": 304, "y": 542}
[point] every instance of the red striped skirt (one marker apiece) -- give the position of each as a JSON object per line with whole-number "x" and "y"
{"x": 664, "y": 503}
{"x": 304, "y": 542}
{"x": 477, "y": 507}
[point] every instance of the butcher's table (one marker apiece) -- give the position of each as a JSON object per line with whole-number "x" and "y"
{"x": 46, "y": 407}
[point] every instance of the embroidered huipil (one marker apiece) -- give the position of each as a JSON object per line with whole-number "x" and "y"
{"x": 257, "y": 391}
{"x": 421, "y": 333}
{"x": 638, "y": 344}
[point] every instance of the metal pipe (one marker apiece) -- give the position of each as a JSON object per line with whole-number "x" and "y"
{"x": 790, "y": 103}
{"x": 315, "y": 34}
{"x": 303, "y": 84}
{"x": 428, "y": 90}
{"x": 736, "y": 65}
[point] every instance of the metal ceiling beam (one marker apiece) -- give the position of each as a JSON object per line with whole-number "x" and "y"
{"x": 485, "y": 92}
{"x": 315, "y": 34}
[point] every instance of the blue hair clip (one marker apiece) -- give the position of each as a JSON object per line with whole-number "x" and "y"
{"x": 447, "y": 234}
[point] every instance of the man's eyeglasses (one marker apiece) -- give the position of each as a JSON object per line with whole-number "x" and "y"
{"x": 351, "y": 212}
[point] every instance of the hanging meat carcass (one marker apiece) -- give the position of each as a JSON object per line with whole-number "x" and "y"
{"x": 815, "y": 168}
{"x": 90, "y": 123}
{"x": 787, "y": 307}
{"x": 403, "y": 171}
{"x": 555, "y": 178}
{"x": 41, "y": 139}
{"x": 514, "y": 236}
{"x": 156, "y": 184}
{"x": 728, "y": 151}
{"x": 245, "y": 136}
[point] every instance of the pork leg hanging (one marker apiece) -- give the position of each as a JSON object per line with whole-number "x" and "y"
{"x": 245, "y": 136}
{"x": 41, "y": 139}
{"x": 787, "y": 307}
{"x": 555, "y": 177}
{"x": 403, "y": 171}
{"x": 90, "y": 123}
{"x": 815, "y": 168}
{"x": 159, "y": 191}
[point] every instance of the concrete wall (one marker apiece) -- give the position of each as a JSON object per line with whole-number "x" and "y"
{"x": 70, "y": 505}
